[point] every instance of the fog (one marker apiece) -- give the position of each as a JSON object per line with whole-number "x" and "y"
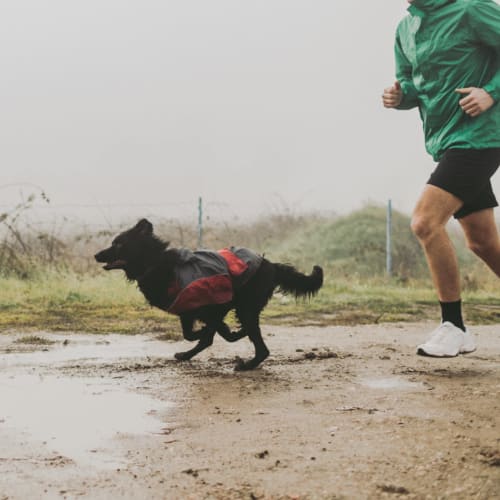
{"x": 118, "y": 108}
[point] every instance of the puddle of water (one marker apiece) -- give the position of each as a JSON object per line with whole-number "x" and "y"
{"x": 77, "y": 418}
{"x": 99, "y": 349}
{"x": 390, "y": 383}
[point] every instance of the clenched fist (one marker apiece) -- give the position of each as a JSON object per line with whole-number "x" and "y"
{"x": 476, "y": 102}
{"x": 392, "y": 96}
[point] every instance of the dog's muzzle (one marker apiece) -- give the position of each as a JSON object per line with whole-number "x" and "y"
{"x": 105, "y": 257}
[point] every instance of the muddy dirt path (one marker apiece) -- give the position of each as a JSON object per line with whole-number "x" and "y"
{"x": 340, "y": 412}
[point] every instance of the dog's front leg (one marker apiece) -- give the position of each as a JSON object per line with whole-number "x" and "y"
{"x": 205, "y": 337}
{"x": 187, "y": 323}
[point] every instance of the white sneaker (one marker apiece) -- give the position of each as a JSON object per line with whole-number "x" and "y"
{"x": 469, "y": 344}
{"x": 447, "y": 341}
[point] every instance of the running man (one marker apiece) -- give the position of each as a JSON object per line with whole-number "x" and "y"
{"x": 448, "y": 65}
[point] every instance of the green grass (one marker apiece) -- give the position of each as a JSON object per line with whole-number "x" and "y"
{"x": 34, "y": 296}
{"x": 69, "y": 302}
{"x": 107, "y": 303}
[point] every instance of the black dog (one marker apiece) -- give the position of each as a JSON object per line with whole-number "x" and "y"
{"x": 204, "y": 286}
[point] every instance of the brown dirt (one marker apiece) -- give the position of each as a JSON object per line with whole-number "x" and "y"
{"x": 336, "y": 412}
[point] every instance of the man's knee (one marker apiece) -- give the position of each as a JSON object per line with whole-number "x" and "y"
{"x": 481, "y": 233}
{"x": 423, "y": 227}
{"x": 482, "y": 247}
{"x": 432, "y": 212}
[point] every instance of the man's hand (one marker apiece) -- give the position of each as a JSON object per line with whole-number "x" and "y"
{"x": 476, "y": 102}
{"x": 392, "y": 96}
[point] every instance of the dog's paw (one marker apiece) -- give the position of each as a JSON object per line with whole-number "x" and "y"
{"x": 242, "y": 365}
{"x": 182, "y": 356}
{"x": 239, "y": 364}
{"x": 251, "y": 364}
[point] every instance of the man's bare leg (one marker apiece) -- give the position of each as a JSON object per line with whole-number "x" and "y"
{"x": 433, "y": 210}
{"x": 481, "y": 233}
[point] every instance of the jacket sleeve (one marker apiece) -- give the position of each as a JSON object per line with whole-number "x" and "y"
{"x": 484, "y": 17}
{"x": 404, "y": 76}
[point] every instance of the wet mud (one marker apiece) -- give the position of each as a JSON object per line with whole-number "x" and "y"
{"x": 338, "y": 412}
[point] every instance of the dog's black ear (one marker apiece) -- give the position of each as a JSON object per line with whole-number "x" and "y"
{"x": 144, "y": 227}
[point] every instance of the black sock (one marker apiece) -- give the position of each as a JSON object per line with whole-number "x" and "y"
{"x": 452, "y": 312}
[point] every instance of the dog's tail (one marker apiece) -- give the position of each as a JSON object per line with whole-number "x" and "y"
{"x": 289, "y": 280}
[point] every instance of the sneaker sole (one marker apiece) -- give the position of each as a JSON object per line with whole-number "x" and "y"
{"x": 421, "y": 352}
{"x": 468, "y": 351}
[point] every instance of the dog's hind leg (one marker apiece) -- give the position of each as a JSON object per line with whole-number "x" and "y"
{"x": 205, "y": 337}
{"x": 251, "y": 326}
{"x": 225, "y": 332}
{"x": 200, "y": 346}
{"x": 205, "y": 341}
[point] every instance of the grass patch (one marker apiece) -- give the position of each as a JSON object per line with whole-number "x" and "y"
{"x": 51, "y": 281}
{"x": 345, "y": 303}
{"x": 106, "y": 303}
{"x": 70, "y": 302}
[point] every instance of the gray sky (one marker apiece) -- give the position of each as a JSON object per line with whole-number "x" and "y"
{"x": 256, "y": 105}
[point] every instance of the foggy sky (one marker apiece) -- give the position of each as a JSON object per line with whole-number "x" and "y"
{"x": 256, "y": 105}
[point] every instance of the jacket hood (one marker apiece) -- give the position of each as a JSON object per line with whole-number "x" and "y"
{"x": 428, "y": 5}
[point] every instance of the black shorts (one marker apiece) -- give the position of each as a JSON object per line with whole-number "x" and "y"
{"x": 466, "y": 174}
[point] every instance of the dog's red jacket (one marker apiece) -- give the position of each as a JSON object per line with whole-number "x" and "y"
{"x": 205, "y": 277}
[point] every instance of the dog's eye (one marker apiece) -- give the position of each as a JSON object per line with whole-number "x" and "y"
{"x": 117, "y": 246}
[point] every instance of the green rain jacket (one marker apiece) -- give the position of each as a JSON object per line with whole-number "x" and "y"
{"x": 443, "y": 45}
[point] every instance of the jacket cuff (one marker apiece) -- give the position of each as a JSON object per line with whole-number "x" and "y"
{"x": 410, "y": 97}
{"x": 493, "y": 91}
